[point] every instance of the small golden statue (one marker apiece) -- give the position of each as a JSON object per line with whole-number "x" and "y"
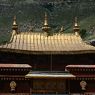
{"x": 83, "y": 85}
{"x": 13, "y": 86}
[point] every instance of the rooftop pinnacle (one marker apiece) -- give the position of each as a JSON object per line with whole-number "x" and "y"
{"x": 15, "y": 26}
{"x": 46, "y": 28}
{"x": 76, "y": 26}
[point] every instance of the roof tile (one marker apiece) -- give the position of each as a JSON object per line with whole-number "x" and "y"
{"x": 35, "y": 42}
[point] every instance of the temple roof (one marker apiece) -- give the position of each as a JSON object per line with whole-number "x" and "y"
{"x": 46, "y": 42}
{"x": 40, "y": 43}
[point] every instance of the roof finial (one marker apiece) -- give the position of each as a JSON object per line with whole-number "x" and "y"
{"x": 46, "y": 28}
{"x": 15, "y": 26}
{"x": 46, "y": 19}
{"x": 76, "y": 21}
{"x": 62, "y": 29}
{"x": 76, "y": 27}
{"x": 14, "y": 21}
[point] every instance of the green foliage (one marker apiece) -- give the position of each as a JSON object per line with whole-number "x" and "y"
{"x": 83, "y": 33}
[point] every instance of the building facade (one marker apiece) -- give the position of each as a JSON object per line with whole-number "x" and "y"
{"x": 46, "y": 63}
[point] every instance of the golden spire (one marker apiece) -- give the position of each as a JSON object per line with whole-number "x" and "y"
{"x": 14, "y": 26}
{"x": 76, "y": 21}
{"x": 14, "y": 21}
{"x": 46, "y": 20}
{"x": 76, "y": 26}
{"x": 46, "y": 28}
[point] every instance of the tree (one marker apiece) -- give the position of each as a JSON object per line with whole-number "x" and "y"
{"x": 83, "y": 33}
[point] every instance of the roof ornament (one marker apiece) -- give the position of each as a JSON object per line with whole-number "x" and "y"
{"x": 46, "y": 20}
{"x": 62, "y": 29}
{"x": 14, "y": 21}
{"x": 76, "y": 27}
{"x": 46, "y": 27}
{"x": 76, "y": 21}
{"x": 30, "y": 28}
{"x": 13, "y": 86}
{"x": 15, "y": 26}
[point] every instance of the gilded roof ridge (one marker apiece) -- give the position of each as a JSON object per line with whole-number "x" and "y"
{"x": 52, "y": 34}
{"x": 52, "y": 43}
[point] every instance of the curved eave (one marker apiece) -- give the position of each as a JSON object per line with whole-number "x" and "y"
{"x": 46, "y": 52}
{"x": 50, "y": 75}
{"x": 81, "y": 66}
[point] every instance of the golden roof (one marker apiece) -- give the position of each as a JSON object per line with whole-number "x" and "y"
{"x": 31, "y": 42}
{"x": 41, "y": 43}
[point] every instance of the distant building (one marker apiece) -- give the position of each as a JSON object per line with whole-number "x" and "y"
{"x": 46, "y": 63}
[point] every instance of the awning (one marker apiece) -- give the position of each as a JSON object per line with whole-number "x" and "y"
{"x": 10, "y": 65}
{"x": 49, "y": 74}
{"x": 85, "y": 76}
{"x": 80, "y": 66}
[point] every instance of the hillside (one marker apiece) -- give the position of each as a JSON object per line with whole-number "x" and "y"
{"x": 31, "y": 13}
